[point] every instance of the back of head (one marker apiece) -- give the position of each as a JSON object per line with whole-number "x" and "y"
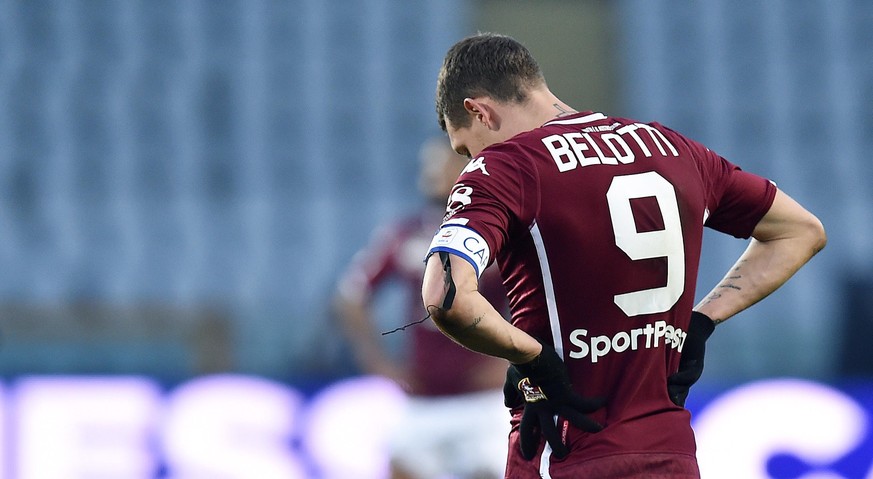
{"x": 486, "y": 64}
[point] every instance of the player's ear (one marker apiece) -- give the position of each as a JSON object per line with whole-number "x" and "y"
{"x": 482, "y": 112}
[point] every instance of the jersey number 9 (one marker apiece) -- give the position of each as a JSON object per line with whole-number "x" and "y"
{"x": 665, "y": 243}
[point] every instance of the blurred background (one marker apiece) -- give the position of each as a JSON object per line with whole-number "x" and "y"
{"x": 182, "y": 182}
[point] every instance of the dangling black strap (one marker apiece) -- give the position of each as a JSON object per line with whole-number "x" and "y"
{"x": 450, "y": 283}
{"x": 447, "y": 301}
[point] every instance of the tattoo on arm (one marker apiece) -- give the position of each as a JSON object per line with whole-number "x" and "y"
{"x": 471, "y": 326}
{"x": 712, "y": 297}
{"x": 728, "y": 283}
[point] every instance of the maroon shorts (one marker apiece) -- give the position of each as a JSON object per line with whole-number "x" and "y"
{"x": 619, "y": 466}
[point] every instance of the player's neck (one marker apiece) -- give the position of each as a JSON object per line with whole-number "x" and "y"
{"x": 509, "y": 119}
{"x": 542, "y": 106}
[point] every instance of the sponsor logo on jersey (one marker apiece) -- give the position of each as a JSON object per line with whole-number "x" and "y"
{"x": 476, "y": 164}
{"x": 654, "y": 335}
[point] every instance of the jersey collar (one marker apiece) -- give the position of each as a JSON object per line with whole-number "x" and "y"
{"x": 577, "y": 119}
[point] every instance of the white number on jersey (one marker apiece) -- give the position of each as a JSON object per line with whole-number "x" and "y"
{"x": 667, "y": 242}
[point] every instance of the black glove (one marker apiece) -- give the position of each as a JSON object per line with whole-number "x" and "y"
{"x": 691, "y": 362}
{"x": 544, "y": 387}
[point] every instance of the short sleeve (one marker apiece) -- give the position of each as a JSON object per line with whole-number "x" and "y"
{"x": 487, "y": 198}
{"x": 735, "y": 200}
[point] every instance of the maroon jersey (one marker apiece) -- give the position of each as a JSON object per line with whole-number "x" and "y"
{"x": 596, "y": 224}
{"x": 437, "y": 365}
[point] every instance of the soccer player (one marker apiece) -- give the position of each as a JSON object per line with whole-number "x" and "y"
{"x": 453, "y": 424}
{"x": 596, "y": 225}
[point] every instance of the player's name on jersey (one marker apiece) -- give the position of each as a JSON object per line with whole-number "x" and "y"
{"x": 582, "y": 148}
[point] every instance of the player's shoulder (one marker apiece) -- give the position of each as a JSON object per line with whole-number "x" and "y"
{"x": 513, "y": 154}
{"x": 504, "y": 151}
{"x": 495, "y": 161}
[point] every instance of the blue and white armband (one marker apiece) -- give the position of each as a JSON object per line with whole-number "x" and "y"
{"x": 464, "y": 242}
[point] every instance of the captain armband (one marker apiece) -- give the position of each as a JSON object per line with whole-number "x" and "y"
{"x": 464, "y": 242}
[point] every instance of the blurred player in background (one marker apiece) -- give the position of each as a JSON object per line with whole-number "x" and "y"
{"x": 454, "y": 425}
{"x": 596, "y": 224}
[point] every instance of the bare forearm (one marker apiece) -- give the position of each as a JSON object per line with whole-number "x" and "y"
{"x": 473, "y": 323}
{"x": 761, "y": 269}
{"x": 468, "y": 318}
{"x": 785, "y": 239}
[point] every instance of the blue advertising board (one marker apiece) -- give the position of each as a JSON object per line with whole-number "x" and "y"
{"x": 234, "y": 426}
